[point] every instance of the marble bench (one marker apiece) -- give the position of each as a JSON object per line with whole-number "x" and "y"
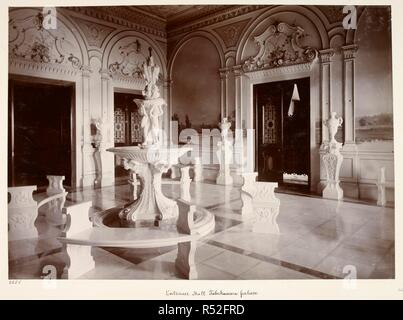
{"x": 195, "y": 166}
{"x": 23, "y": 210}
{"x": 259, "y": 204}
{"x": 81, "y": 236}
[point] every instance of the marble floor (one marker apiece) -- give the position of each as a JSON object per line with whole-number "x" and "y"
{"x": 318, "y": 239}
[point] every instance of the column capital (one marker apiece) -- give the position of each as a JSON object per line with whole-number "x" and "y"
{"x": 349, "y": 51}
{"x": 238, "y": 71}
{"x": 224, "y": 72}
{"x": 86, "y": 71}
{"x": 105, "y": 75}
{"x": 326, "y": 55}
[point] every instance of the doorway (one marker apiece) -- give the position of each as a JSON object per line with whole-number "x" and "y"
{"x": 282, "y": 124}
{"x": 40, "y": 131}
{"x": 127, "y": 124}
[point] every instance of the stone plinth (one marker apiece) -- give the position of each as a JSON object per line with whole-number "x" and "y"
{"x": 266, "y": 208}
{"x": 331, "y": 161}
{"x": 55, "y": 185}
{"x": 22, "y": 213}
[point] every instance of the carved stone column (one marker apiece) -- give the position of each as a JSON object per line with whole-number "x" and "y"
{"x": 239, "y": 136}
{"x": 224, "y": 75}
{"x": 325, "y": 57}
{"x": 238, "y": 72}
{"x": 349, "y": 54}
{"x": 166, "y": 125}
{"x": 107, "y": 175}
{"x": 87, "y": 149}
{"x": 332, "y": 159}
{"x": 223, "y": 82}
{"x": 168, "y": 91}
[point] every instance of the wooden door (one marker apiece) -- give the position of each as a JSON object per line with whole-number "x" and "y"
{"x": 40, "y": 132}
{"x": 268, "y": 124}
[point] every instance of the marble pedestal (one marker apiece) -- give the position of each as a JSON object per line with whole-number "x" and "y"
{"x": 248, "y": 189}
{"x": 331, "y": 161}
{"x": 266, "y": 208}
{"x": 22, "y": 213}
{"x": 55, "y": 185}
{"x": 224, "y": 154}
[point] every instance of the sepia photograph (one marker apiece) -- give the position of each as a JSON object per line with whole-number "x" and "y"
{"x": 246, "y": 141}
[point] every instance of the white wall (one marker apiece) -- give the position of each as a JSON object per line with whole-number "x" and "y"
{"x": 95, "y": 45}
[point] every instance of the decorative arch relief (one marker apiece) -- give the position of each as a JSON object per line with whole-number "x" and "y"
{"x": 279, "y": 45}
{"x": 127, "y": 58}
{"x": 30, "y": 41}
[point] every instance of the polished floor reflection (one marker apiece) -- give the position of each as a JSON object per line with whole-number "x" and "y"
{"x": 319, "y": 239}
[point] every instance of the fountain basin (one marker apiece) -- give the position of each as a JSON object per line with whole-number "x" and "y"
{"x": 149, "y": 163}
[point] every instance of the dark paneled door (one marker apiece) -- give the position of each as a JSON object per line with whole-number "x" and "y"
{"x": 282, "y": 140}
{"x": 39, "y": 132}
{"x": 127, "y": 124}
{"x": 268, "y": 102}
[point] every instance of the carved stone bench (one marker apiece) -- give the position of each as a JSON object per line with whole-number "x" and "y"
{"x": 195, "y": 167}
{"x": 259, "y": 204}
{"x": 23, "y": 209}
{"x": 192, "y": 224}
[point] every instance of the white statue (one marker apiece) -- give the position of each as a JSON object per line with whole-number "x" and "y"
{"x": 333, "y": 125}
{"x": 224, "y": 126}
{"x": 224, "y": 154}
{"x": 151, "y": 108}
{"x": 145, "y": 121}
{"x": 96, "y": 132}
{"x": 155, "y": 113}
{"x": 151, "y": 73}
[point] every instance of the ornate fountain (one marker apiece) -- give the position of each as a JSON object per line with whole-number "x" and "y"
{"x": 151, "y": 158}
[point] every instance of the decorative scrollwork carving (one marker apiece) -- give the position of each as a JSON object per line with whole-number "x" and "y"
{"x": 279, "y": 46}
{"x": 29, "y": 40}
{"x": 131, "y": 61}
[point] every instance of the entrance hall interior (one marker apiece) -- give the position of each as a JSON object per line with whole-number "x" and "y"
{"x": 215, "y": 142}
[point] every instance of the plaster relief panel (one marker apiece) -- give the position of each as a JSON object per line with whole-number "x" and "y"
{"x": 127, "y": 57}
{"x": 231, "y": 33}
{"x": 95, "y": 33}
{"x": 29, "y": 40}
{"x": 279, "y": 45}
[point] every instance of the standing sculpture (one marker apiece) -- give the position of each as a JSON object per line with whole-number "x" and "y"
{"x": 332, "y": 159}
{"x": 224, "y": 154}
{"x": 151, "y": 108}
{"x": 151, "y": 159}
{"x": 96, "y": 133}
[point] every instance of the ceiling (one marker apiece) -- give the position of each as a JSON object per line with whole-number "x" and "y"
{"x": 174, "y": 15}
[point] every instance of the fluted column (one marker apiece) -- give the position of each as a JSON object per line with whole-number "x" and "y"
{"x": 223, "y": 82}
{"x": 239, "y": 140}
{"x": 87, "y": 149}
{"x": 349, "y": 55}
{"x": 325, "y": 57}
{"x": 107, "y": 114}
{"x": 168, "y": 95}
